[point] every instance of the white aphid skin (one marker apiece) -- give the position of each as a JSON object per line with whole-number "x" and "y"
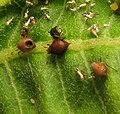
{"x": 82, "y": 5}
{"x": 89, "y": 15}
{"x": 32, "y": 101}
{"x": 94, "y": 30}
{"x": 9, "y": 21}
{"x": 92, "y": 5}
{"x": 106, "y": 25}
{"x": 32, "y": 19}
{"x": 45, "y": 12}
{"x": 29, "y": 3}
{"x": 47, "y": 16}
{"x": 87, "y": 1}
{"x": 79, "y": 72}
{"x": 44, "y": 9}
{"x": 109, "y": 1}
{"x": 71, "y": 2}
{"x": 26, "y": 25}
{"x": 26, "y": 14}
{"x": 46, "y": 2}
{"x": 73, "y": 9}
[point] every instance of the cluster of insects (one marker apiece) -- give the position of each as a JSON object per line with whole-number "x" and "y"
{"x": 98, "y": 68}
{"x": 59, "y": 45}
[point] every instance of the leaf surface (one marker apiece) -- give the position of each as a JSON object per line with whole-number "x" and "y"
{"x": 51, "y": 81}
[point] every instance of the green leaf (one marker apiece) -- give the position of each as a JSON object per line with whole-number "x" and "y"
{"x": 40, "y": 83}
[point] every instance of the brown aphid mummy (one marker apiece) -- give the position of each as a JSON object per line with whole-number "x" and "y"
{"x": 100, "y": 69}
{"x": 26, "y": 44}
{"x": 59, "y": 46}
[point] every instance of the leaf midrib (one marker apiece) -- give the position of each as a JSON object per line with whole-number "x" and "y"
{"x": 9, "y": 54}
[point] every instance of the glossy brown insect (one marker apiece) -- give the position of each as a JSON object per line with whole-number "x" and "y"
{"x": 100, "y": 69}
{"x": 26, "y": 44}
{"x": 59, "y": 46}
{"x": 55, "y": 33}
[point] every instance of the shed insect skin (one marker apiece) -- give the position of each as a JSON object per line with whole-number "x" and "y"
{"x": 26, "y": 44}
{"x": 80, "y": 73}
{"x": 55, "y": 33}
{"x": 100, "y": 69}
{"x": 59, "y": 45}
{"x": 9, "y": 21}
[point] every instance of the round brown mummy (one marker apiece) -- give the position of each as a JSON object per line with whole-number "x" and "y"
{"x": 59, "y": 46}
{"x": 26, "y": 45}
{"x": 100, "y": 69}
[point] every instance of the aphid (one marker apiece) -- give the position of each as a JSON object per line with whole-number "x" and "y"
{"x": 9, "y": 21}
{"x": 24, "y": 32}
{"x": 99, "y": 68}
{"x": 59, "y": 46}
{"x": 26, "y": 14}
{"x": 26, "y": 44}
{"x": 94, "y": 30}
{"x": 55, "y": 33}
{"x": 80, "y": 73}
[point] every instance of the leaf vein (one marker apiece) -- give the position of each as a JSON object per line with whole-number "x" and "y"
{"x": 14, "y": 86}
